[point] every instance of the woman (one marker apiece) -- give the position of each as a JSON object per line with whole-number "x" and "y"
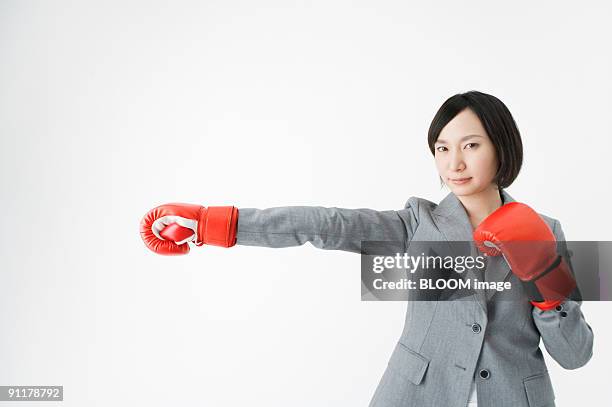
{"x": 484, "y": 351}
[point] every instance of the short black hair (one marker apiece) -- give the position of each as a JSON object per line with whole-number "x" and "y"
{"x": 497, "y": 121}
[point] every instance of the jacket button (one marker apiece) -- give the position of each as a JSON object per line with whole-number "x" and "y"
{"x": 559, "y": 308}
{"x": 563, "y": 314}
{"x": 484, "y": 373}
{"x": 476, "y": 328}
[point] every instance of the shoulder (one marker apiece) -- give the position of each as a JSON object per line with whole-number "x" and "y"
{"x": 419, "y": 204}
{"x": 422, "y": 209}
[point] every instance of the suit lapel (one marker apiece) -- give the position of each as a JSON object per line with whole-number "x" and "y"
{"x": 453, "y": 222}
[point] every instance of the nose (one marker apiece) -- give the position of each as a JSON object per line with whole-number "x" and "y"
{"x": 456, "y": 162}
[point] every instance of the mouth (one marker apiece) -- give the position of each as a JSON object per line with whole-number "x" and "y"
{"x": 459, "y": 181}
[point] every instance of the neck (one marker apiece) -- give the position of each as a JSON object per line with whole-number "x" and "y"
{"x": 480, "y": 205}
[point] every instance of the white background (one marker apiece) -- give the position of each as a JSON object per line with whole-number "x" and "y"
{"x": 110, "y": 108}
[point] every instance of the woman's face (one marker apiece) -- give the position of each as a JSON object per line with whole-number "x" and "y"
{"x": 465, "y": 156}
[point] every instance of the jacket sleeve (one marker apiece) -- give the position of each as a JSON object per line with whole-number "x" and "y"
{"x": 324, "y": 228}
{"x": 565, "y": 333}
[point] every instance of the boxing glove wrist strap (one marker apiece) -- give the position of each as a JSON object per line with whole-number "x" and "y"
{"x": 551, "y": 287}
{"x": 219, "y": 227}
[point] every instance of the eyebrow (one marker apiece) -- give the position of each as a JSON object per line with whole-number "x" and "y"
{"x": 462, "y": 138}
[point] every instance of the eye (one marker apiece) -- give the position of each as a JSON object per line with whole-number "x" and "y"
{"x": 472, "y": 145}
{"x": 440, "y": 149}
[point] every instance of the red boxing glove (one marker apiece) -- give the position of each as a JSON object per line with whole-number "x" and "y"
{"x": 168, "y": 228}
{"x": 530, "y": 249}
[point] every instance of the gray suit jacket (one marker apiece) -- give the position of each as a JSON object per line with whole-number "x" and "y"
{"x": 444, "y": 345}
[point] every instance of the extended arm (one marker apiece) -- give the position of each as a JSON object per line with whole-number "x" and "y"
{"x": 167, "y": 229}
{"x": 324, "y": 228}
